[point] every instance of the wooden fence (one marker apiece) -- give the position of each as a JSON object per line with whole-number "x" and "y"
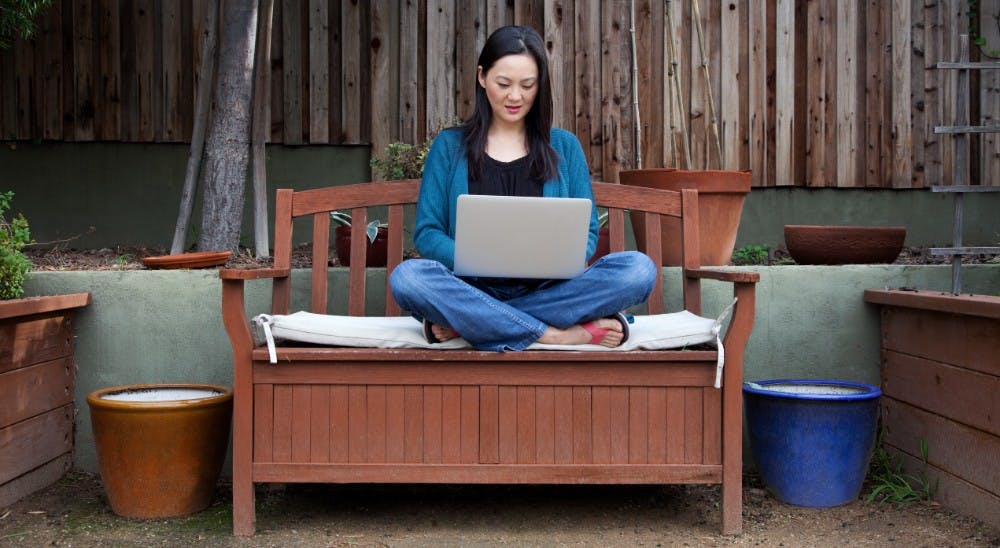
{"x": 802, "y": 92}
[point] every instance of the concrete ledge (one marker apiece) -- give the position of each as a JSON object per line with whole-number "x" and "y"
{"x": 154, "y": 326}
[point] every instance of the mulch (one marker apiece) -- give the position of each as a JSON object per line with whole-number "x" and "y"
{"x": 129, "y": 258}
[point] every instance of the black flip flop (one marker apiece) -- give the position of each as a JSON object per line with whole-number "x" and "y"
{"x": 624, "y": 321}
{"x": 428, "y": 334}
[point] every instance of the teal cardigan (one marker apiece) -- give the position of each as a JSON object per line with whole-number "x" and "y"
{"x": 446, "y": 177}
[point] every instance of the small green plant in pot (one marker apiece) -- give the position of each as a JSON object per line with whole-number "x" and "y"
{"x": 14, "y": 264}
{"x": 377, "y": 234}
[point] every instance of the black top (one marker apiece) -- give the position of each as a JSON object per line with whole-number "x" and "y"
{"x": 506, "y": 179}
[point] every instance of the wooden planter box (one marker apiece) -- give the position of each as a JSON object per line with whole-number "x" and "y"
{"x": 36, "y": 392}
{"x": 941, "y": 383}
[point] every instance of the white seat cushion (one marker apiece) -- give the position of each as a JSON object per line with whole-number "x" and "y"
{"x": 654, "y": 332}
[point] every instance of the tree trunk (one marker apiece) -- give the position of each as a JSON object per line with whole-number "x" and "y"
{"x": 227, "y": 150}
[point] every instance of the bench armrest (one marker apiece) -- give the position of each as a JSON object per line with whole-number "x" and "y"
{"x": 723, "y": 275}
{"x": 253, "y": 273}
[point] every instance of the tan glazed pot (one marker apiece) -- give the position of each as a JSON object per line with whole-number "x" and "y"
{"x": 720, "y": 205}
{"x": 160, "y": 447}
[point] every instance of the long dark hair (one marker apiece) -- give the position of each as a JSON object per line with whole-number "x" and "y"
{"x": 514, "y": 40}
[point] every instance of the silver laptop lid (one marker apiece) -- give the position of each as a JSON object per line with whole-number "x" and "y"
{"x": 521, "y": 237}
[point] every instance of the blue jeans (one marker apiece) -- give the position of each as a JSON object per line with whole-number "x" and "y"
{"x": 504, "y": 315}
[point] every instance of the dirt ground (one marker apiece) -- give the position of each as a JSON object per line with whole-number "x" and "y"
{"x": 74, "y": 512}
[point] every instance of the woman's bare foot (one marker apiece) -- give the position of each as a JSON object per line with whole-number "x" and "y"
{"x": 443, "y": 334}
{"x": 578, "y": 335}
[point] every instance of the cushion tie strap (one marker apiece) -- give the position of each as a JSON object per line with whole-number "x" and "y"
{"x": 265, "y": 321}
{"x": 716, "y": 329}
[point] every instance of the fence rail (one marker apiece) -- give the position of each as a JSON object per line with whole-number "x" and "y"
{"x": 804, "y": 93}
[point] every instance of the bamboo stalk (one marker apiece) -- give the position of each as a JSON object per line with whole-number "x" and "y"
{"x": 635, "y": 90}
{"x": 713, "y": 120}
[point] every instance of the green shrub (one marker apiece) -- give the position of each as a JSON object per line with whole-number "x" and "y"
{"x": 401, "y": 161}
{"x": 14, "y": 264}
{"x": 751, "y": 255}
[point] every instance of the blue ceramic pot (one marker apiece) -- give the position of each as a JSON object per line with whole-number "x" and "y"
{"x": 812, "y": 439}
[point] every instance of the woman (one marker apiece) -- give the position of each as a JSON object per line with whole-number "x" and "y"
{"x": 508, "y": 147}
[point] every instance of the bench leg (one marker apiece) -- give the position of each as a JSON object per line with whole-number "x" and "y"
{"x": 244, "y": 516}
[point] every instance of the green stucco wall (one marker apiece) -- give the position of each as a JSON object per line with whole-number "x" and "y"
{"x": 130, "y": 194}
{"x": 149, "y": 326}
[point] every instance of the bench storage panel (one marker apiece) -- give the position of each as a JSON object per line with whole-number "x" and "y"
{"x": 367, "y": 415}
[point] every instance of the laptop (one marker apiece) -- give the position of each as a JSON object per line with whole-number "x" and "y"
{"x": 521, "y": 237}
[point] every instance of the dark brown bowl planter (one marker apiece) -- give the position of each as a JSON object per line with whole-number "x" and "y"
{"x": 160, "y": 458}
{"x": 827, "y": 244}
{"x": 36, "y": 392}
{"x": 941, "y": 384}
{"x": 377, "y": 250}
{"x": 720, "y": 205}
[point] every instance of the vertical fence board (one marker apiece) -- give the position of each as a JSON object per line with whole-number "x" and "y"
{"x": 817, "y": 94}
{"x": 352, "y": 86}
{"x": 757, "y": 92}
{"x": 49, "y": 67}
{"x": 336, "y": 82}
{"x": 467, "y": 28}
{"x": 8, "y": 91}
{"x": 698, "y": 90}
{"x": 675, "y": 121}
{"x": 784, "y": 91}
{"x": 732, "y": 78}
{"x": 383, "y": 57}
{"x": 615, "y": 88}
{"x": 588, "y": 85}
{"x": 291, "y": 42}
{"x": 83, "y": 61}
{"x": 409, "y": 54}
{"x": 848, "y": 49}
{"x": 558, "y": 36}
{"x": 319, "y": 71}
{"x": 989, "y": 100}
{"x": 440, "y": 64}
{"x": 498, "y": 14}
{"x": 933, "y": 43}
{"x": 902, "y": 125}
{"x": 171, "y": 70}
{"x": 277, "y": 74}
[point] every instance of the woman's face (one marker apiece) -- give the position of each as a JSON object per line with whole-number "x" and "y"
{"x": 511, "y": 85}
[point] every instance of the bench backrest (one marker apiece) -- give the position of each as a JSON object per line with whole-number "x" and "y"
{"x": 678, "y": 207}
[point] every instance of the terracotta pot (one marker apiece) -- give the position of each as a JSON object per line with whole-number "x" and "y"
{"x": 823, "y": 244}
{"x": 720, "y": 205}
{"x": 377, "y": 250}
{"x": 160, "y": 458}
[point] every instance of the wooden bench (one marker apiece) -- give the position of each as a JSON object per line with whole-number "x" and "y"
{"x": 365, "y": 415}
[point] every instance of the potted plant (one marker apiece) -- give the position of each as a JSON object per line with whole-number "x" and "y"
{"x": 36, "y": 370}
{"x": 398, "y": 161}
{"x": 720, "y": 205}
{"x": 377, "y": 240}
